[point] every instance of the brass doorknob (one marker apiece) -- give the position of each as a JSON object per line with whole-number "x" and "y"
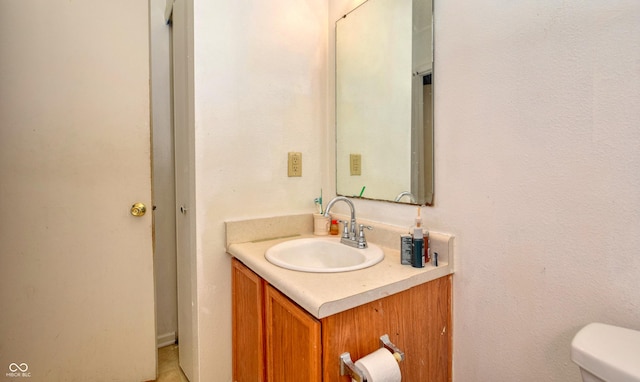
{"x": 138, "y": 209}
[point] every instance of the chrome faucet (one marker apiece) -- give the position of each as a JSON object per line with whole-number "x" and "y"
{"x": 412, "y": 199}
{"x": 349, "y": 236}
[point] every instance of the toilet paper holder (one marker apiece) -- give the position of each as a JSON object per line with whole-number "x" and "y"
{"x": 347, "y": 367}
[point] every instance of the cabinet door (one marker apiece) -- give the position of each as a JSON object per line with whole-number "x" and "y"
{"x": 418, "y": 321}
{"x": 293, "y": 340}
{"x": 248, "y": 333}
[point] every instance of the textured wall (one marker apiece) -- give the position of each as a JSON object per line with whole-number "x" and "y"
{"x": 539, "y": 171}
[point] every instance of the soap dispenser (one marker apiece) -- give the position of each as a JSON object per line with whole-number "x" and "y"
{"x": 418, "y": 259}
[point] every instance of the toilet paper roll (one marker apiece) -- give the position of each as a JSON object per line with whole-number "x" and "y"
{"x": 380, "y": 366}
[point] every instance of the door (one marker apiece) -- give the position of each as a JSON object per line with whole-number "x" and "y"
{"x": 76, "y": 291}
{"x": 292, "y": 339}
{"x": 182, "y": 52}
{"x": 247, "y": 303}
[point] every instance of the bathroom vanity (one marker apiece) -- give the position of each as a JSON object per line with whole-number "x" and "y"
{"x": 293, "y": 326}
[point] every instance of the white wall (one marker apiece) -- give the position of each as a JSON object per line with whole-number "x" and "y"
{"x": 537, "y": 145}
{"x": 260, "y": 91}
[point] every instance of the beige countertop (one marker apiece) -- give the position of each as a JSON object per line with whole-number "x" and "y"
{"x": 324, "y": 294}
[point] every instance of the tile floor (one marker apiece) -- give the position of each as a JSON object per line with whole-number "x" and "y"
{"x": 168, "y": 367}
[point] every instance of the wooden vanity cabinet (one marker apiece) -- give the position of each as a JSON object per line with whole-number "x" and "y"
{"x": 275, "y": 340}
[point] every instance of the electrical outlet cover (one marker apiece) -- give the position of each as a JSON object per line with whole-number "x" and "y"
{"x": 355, "y": 161}
{"x": 294, "y": 167}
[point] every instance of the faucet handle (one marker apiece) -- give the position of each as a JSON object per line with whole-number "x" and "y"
{"x": 362, "y": 227}
{"x": 362, "y": 242}
{"x": 345, "y": 228}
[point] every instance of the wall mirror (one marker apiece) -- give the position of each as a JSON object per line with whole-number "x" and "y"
{"x": 384, "y": 103}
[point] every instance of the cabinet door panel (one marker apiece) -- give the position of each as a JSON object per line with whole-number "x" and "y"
{"x": 248, "y": 333}
{"x": 418, "y": 321}
{"x": 293, "y": 340}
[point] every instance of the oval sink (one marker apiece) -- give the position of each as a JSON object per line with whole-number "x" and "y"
{"x": 325, "y": 254}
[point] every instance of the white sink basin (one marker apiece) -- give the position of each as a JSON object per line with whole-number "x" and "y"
{"x": 323, "y": 254}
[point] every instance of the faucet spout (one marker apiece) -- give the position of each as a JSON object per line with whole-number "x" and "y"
{"x": 412, "y": 199}
{"x": 352, "y": 223}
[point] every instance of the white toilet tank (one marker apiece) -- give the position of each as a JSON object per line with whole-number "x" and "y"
{"x": 607, "y": 353}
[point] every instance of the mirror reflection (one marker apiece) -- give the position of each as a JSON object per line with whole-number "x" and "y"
{"x": 384, "y": 103}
